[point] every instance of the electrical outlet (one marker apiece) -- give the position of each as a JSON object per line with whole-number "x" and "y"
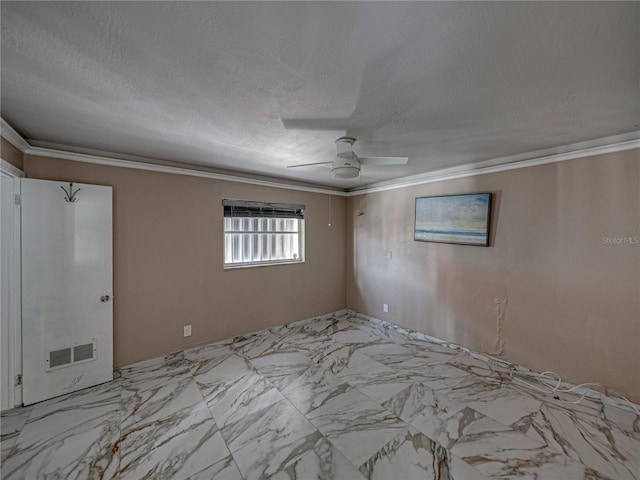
{"x": 389, "y": 255}
{"x": 187, "y": 330}
{"x": 385, "y": 308}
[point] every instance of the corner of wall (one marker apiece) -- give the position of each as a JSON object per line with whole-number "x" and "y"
{"x": 11, "y": 154}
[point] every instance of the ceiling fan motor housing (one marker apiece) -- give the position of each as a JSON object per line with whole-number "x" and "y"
{"x": 345, "y": 147}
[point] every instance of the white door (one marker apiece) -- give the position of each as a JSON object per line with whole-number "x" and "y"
{"x": 67, "y": 310}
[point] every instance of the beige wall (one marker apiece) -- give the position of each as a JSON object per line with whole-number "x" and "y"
{"x": 11, "y": 154}
{"x": 168, "y": 255}
{"x": 548, "y": 294}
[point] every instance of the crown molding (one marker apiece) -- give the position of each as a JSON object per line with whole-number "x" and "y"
{"x": 617, "y": 143}
{"x": 193, "y": 172}
{"x": 13, "y": 137}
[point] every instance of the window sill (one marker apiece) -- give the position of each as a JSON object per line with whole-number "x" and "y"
{"x": 234, "y": 266}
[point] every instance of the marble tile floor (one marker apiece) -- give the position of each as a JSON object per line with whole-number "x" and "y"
{"x": 339, "y": 397}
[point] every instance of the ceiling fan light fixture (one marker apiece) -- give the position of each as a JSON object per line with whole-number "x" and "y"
{"x": 344, "y": 171}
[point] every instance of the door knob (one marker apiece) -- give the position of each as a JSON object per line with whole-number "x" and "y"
{"x": 105, "y": 298}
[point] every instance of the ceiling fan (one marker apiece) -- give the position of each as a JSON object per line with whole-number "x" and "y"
{"x": 347, "y": 164}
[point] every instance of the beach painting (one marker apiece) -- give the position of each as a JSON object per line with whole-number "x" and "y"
{"x": 460, "y": 219}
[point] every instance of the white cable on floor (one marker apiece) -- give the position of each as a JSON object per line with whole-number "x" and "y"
{"x": 557, "y": 388}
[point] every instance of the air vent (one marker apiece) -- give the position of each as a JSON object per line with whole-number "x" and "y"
{"x": 82, "y": 352}
{"x": 69, "y": 356}
{"x": 58, "y": 358}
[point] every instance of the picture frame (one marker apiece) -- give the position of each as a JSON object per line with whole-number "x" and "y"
{"x": 457, "y": 219}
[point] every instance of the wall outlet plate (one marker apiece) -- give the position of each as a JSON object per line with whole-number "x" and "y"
{"x": 187, "y": 330}
{"x": 385, "y": 308}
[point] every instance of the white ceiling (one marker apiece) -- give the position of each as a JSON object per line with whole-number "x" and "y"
{"x": 254, "y": 87}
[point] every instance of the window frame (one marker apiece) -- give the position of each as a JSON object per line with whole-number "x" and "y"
{"x": 261, "y": 211}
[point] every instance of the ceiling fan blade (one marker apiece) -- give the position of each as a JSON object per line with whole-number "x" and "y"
{"x": 383, "y": 160}
{"x": 308, "y": 164}
{"x": 337, "y": 124}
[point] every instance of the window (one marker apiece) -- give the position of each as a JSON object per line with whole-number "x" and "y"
{"x": 257, "y": 233}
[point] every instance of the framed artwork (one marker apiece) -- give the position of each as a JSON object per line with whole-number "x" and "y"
{"x": 459, "y": 219}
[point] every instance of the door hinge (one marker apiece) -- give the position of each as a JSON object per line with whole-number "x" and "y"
{"x": 17, "y": 199}
{"x": 18, "y": 380}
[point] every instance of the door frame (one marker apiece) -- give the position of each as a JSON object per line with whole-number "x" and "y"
{"x": 13, "y": 343}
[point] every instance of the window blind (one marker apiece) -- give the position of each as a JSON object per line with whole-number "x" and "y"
{"x": 244, "y": 208}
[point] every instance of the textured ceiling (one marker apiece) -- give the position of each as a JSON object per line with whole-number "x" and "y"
{"x": 253, "y": 87}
